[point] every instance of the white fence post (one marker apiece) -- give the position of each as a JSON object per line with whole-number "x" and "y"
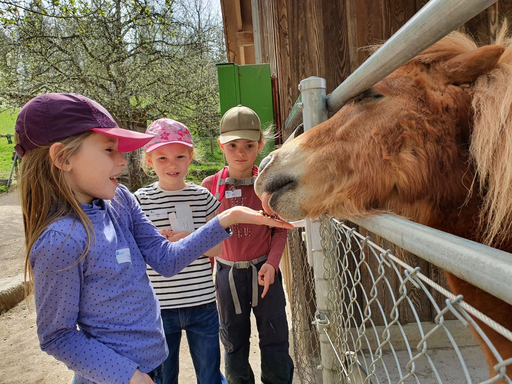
{"x": 313, "y": 90}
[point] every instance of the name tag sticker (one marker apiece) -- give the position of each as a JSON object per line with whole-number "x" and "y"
{"x": 123, "y": 256}
{"x": 235, "y": 193}
{"x": 158, "y": 214}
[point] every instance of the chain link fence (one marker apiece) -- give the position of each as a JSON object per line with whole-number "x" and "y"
{"x": 299, "y": 282}
{"x": 387, "y": 322}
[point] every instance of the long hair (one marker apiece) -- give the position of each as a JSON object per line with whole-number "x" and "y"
{"x": 491, "y": 145}
{"x": 491, "y": 136}
{"x": 46, "y": 196}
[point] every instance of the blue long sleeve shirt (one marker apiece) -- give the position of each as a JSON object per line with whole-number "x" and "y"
{"x": 107, "y": 293}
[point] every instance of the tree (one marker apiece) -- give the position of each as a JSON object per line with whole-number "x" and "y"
{"x": 141, "y": 59}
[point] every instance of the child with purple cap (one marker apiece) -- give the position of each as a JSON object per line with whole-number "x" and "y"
{"x": 88, "y": 242}
{"x": 187, "y": 300}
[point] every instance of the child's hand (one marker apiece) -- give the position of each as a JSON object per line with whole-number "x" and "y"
{"x": 140, "y": 378}
{"x": 244, "y": 215}
{"x": 173, "y": 236}
{"x": 266, "y": 277}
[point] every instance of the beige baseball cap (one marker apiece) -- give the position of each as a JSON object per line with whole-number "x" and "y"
{"x": 239, "y": 123}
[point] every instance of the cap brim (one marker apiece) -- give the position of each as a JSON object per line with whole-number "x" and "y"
{"x": 237, "y": 135}
{"x": 127, "y": 140}
{"x": 150, "y": 148}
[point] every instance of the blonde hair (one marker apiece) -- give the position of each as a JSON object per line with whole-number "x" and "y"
{"x": 46, "y": 195}
{"x": 491, "y": 144}
{"x": 268, "y": 134}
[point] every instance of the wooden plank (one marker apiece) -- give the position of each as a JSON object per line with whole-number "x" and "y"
{"x": 244, "y": 38}
{"x": 396, "y": 14}
{"x": 229, "y": 18}
{"x": 337, "y": 54}
{"x": 246, "y": 12}
{"x": 286, "y": 59}
{"x": 315, "y": 65}
{"x": 264, "y": 25}
{"x": 369, "y": 25}
{"x": 483, "y": 27}
{"x": 420, "y": 4}
{"x": 238, "y": 15}
{"x": 352, "y": 45}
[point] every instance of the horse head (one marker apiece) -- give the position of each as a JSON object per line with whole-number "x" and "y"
{"x": 431, "y": 142}
{"x": 402, "y": 146}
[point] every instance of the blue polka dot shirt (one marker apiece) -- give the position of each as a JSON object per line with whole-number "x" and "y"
{"x": 99, "y": 315}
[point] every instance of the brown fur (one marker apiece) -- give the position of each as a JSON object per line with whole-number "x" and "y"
{"x": 437, "y": 149}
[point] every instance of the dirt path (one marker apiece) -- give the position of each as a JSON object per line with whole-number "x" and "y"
{"x": 21, "y": 360}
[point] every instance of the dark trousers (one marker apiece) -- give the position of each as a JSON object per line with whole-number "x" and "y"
{"x": 235, "y": 330}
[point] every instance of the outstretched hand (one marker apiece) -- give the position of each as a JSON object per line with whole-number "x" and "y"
{"x": 245, "y": 215}
{"x": 266, "y": 276}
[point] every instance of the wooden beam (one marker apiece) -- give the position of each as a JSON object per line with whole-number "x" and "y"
{"x": 238, "y": 12}
{"x": 244, "y": 38}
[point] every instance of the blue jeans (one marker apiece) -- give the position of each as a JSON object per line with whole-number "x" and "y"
{"x": 201, "y": 324}
{"x": 157, "y": 375}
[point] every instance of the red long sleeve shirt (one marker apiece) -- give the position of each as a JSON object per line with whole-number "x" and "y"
{"x": 250, "y": 241}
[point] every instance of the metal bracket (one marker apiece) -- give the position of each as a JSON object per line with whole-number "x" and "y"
{"x": 321, "y": 321}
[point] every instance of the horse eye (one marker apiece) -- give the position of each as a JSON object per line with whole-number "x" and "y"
{"x": 368, "y": 96}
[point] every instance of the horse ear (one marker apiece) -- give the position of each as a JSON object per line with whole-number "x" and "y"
{"x": 467, "y": 67}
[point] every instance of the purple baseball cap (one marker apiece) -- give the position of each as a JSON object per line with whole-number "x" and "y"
{"x": 55, "y": 116}
{"x": 168, "y": 131}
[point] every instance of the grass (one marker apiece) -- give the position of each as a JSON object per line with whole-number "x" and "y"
{"x": 7, "y": 121}
{"x": 208, "y": 159}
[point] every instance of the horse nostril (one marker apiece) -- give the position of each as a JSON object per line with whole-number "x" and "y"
{"x": 265, "y": 162}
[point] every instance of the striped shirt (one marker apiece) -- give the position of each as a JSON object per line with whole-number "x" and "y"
{"x": 187, "y": 208}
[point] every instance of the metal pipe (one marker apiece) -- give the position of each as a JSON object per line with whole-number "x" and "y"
{"x": 314, "y": 112}
{"x": 435, "y": 20}
{"x": 312, "y": 92}
{"x": 471, "y": 261}
{"x": 294, "y": 117}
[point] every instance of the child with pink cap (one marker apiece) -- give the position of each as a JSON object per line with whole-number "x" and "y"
{"x": 177, "y": 208}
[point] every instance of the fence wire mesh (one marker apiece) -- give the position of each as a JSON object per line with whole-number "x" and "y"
{"x": 305, "y": 340}
{"x": 387, "y": 322}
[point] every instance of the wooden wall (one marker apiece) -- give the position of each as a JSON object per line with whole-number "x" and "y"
{"x": 325, "y": 38}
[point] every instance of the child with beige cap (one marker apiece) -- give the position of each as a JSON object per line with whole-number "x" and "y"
{"x": 248, "y": 275}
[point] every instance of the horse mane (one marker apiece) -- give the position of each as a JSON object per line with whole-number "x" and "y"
{"x": 491, "y": 145}
{"x": 491, "y": 136}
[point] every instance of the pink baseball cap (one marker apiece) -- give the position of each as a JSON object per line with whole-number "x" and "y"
{"x": 167, "y": 131}
{"x": 55, "y": 116}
